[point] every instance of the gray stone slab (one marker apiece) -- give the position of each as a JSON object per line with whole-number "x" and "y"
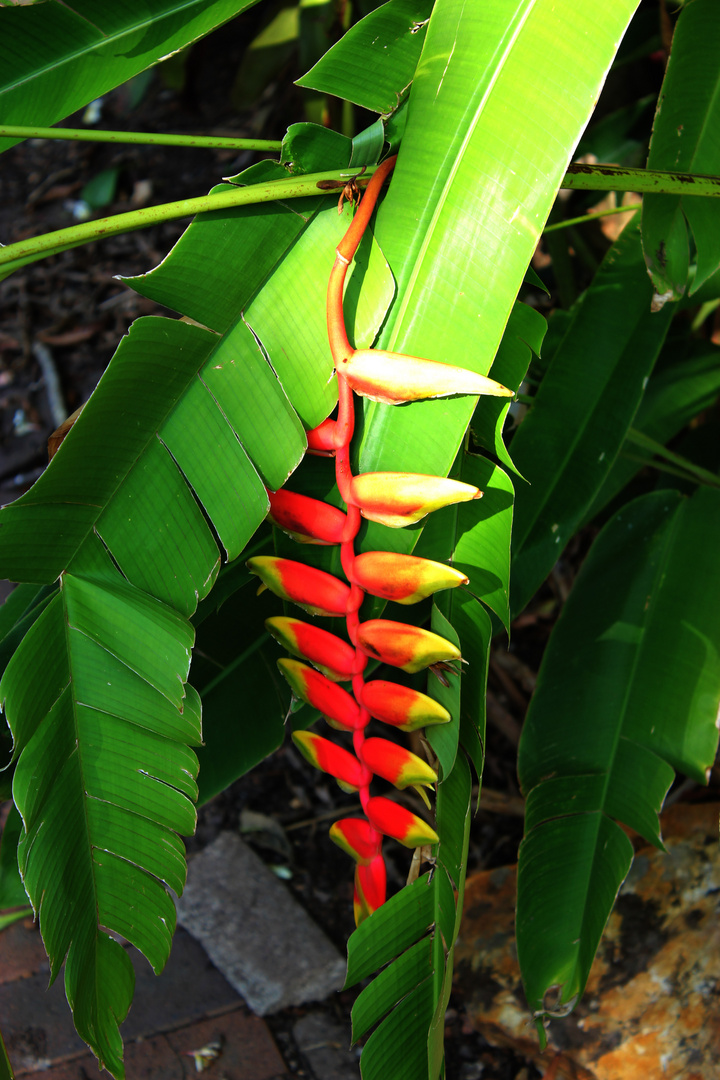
{"x": 262, "y": 940}
{"x": 326, "y": 1045}
{"x": 37, "y": 1023}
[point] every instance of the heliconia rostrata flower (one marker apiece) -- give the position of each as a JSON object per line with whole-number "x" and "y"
{"x": 394, "y": 499}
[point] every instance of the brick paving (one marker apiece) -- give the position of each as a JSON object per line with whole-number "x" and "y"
{"x": 185, "y": 1008}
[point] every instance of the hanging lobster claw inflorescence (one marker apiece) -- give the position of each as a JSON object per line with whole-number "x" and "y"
{"x": 391, "y": 498}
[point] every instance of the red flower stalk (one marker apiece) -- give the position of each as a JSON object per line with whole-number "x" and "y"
{"x": 391, "y": 498}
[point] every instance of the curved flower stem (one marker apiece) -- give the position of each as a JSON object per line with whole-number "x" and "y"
{"x": 342, "y": 351}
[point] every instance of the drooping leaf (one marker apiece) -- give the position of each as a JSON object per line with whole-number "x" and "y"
{"x": 628, "y": 691}
{"x": 570, "y": 438}
{"x": 105, "y": 705}
{"x": 685, "y": 139}
{"x": 12, "y": 891}
{"x": 674, "y": 396}
{"x": 374, "y": 64}
{"x": 417, "y": 926}
{"x": 55, "y": 58}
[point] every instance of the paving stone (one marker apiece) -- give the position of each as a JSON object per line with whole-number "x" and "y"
{"x": 248, "y": 1053}
{"x": 253, "y": 930}
{"x": 37, "y": 1024}
{"x": 325, "y": 1044}
{"x": 22, "y": 952}
{"x": 248, "y": 1050}
{"x": 651, "y": 1010}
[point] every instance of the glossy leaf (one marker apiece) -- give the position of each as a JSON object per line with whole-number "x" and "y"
{"x": 55, "y": 58}
{"x": 444, "y": 223}
{"x": 375, "y": 62}
{"x": 106, "y": 704}
{"x": 567, "y": 443}
{"x": 685, "y": 139}
{"x": 634, "y": 654}
{"x": 674, "y": 396}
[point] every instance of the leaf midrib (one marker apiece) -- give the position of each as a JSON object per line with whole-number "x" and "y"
{"x": 102, "y": 42}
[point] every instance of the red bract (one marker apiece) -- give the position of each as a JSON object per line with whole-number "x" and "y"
{"x": 327, "y": 697}
{"x": 314, "y": 590}
{"x": 332, "y": 759}
{"x": 394, "y": 378}
{"x": 396, "y": 764}
{"x": 321, "y": 440}
{"x": 408, "y": 647}
{"x": 307, "y": 520}
{"x": 406, "y": 579}
{"x": 398, "y": 499}
{"x": 394, "y": 820}
{"x": 401, "y": 706}
{"x": 358, "y": 838}
{"x": 333, "y": 656}
{"x": 370, "y": 888}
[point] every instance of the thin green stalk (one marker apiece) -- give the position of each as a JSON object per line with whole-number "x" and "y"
{"x": 139, "y": 138}
{"x": 590, "y": 217}
{"x": 617, "y": 178}
{"x": 673, "y": 463}
{"x": 28, "y": 251}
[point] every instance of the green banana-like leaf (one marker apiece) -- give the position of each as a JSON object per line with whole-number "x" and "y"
{"x": 165, "y": 468}
{"x": 684, "y": 138}
{"x": 186, "y": 415}
{"x": 55, "y": 58}
{"x": 457, "y": 230}
{"x": 374, "y": 64}
{"x": 95, "y": 689}
{"x": 628, "y": 691}
{"x": 675, "y": 394}
{"x": 568, "y": 442}
{"x": 415, "y": 930}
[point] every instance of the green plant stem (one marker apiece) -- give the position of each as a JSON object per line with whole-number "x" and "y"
{"x": 590, "y": 217}
{"x": 139, "y": 138}
{"x": 588, "y": 177}
{"x": 672, "y": 463}
{"x": 616, "y": 178}
{"x": 28, "y": 251}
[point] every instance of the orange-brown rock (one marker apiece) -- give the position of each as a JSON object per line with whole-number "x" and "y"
{"x": 651, "y": 1010}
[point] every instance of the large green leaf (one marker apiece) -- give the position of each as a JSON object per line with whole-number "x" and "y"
{"x": 375, "y": 62}
{"x": 568, "y": 442}
{"x": 458, "y": 227}
{"x": 165, "y": 468}
{"x": 104, "y": 780}
{"x": 676, "y": 394}
{"x": 685, "y": 139}
{"x": 627, "y": 692}
{"x": 55, "y": 58}
{"x": 415, "y": 930}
